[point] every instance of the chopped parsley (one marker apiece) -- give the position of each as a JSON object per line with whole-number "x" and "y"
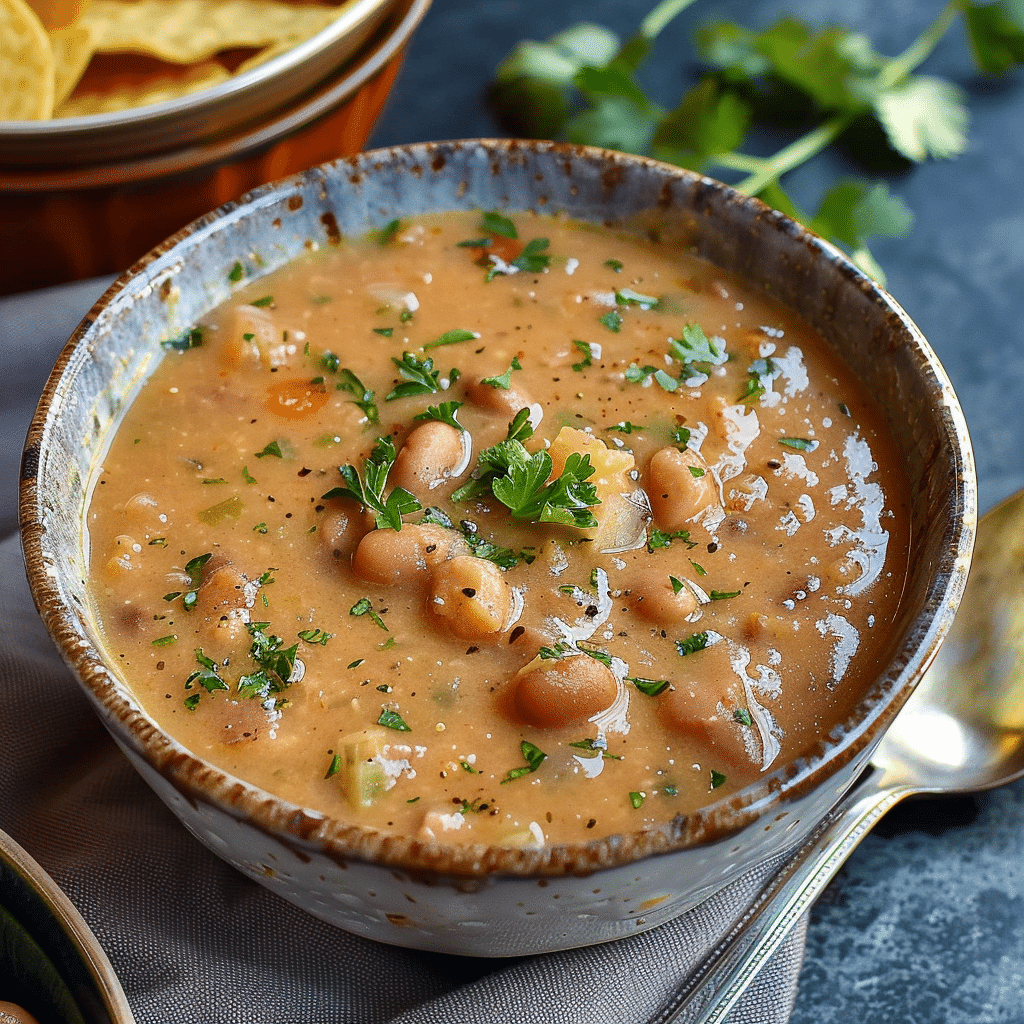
{"x": 443, "y": 413}
{"x": 365, "y": 607}
{"x": 612, "y": 320}
{"x": 651, "y": 687}
{"x": 453, "y": 337}
{"x": 369, "y": 490}
{"x": 534, "y": 758}
{"x": 192, "y": 338}
{"x": 505, "y": 380}
{"x": 391, "y": 719}
{"x": 801, "y": 444}
{"x": 522, "y": 483}
{"x": 694, "y": 643}
{"x": 419, "y": 377}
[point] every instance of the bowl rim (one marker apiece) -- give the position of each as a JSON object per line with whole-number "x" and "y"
{"x": 300, "y": 827}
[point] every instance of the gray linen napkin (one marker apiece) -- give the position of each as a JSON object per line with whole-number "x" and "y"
{"x": 191, "y": 939}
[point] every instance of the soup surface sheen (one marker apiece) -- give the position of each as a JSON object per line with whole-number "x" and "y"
{"x": 651, "y": 533}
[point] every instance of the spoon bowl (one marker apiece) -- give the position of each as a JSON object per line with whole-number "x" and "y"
{"x": 962, "y": 730}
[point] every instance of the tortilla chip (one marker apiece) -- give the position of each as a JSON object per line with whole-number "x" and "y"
{"x": 57, "y": 14}
{"x": 72, "y": 50}
{"x": 191, "y": 79}
{"x": 189, "y": 31}
{"x": 26, "y": 64}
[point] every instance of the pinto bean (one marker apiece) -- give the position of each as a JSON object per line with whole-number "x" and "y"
{"x": 433, "y": 453}
{"x": 500, "y": 401}
{"x": 402, "y": 557}
{"x": 563, "y": 692}
{"x": 471, "y": 597}
{"x": 654, "y": 596}
{"x": 680, "y": 487}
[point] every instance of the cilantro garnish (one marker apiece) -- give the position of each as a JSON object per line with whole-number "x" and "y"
{"x": 365, "y": 607}
{"x": 265, "y": 300}
{"x": 612, "y": 320}
{"x": 520, "y": 481}
{"x": 236, "y": 273}
{"x": 615, "y": 265}
{"x": 625, "y": 427}
{"x": 651, "y": 687}
{"x": 272, "y": 449}
{"x": 384, "y": 332}
{"x": 207, "y": 676}
{"x": 504, "y": 558}
{"x": 801, "y": 444}
{"x": 453, "y": 337}
{"x": 443, "y": 413}
{"x": 363, "y": 396}
{"x": 505, "y": 380}
{"x": 588, "y": 354}
{"x": 636, "y": 799}
{"x": 192, "y": 338}
{"x": 194, "y": 572}
{"x": 334, "y": 767}
{"x": 533, "y": 259}
{"x": 498, "y": 224}
{"x": 315, "y": 636}
{"x": 369, "y": 491}
{"x": 661, "y": 539}
{"x": 629, "y": 297}
{"x": 741, "y": 715}
{"x": 717, "y": 779}
{"x": 694, "y": 643}
{"x": 391, "y": 719}
{"x": 420, "y": 377}
{"x": 723, "y": 595}
{"x": 597, "y": 747}
{"x": 386, "y": 234}
{"x": 275, "y": 664}
{"x": 534, "y": 758}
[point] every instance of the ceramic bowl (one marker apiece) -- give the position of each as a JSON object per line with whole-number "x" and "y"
{"x": 85, "y": 196}
{"x": 482, "y": 900}
{"x": 50, "y": 962}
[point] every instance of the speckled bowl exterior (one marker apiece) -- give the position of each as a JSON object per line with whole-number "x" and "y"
{"x": 480, "y": 900}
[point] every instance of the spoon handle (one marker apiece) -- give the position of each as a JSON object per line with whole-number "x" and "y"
{"x": 742, "y": 954}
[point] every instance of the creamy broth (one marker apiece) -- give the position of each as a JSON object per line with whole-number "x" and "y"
{"x": 651, "y": 535}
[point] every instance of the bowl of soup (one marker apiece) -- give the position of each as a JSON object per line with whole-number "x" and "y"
{"x": 497, "y": 547}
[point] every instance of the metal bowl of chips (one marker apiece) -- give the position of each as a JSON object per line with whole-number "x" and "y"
{"x": 128, "y": 122}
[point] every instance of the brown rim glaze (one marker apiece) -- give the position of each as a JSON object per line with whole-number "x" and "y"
{"x": 873, "y": 334}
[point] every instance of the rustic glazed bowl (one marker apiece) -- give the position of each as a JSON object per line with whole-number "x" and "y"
{"x": 85, "y": 196}
{"x": 484, "y": 900}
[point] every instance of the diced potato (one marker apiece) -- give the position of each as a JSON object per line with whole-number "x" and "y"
{"x": 621, "y": 516}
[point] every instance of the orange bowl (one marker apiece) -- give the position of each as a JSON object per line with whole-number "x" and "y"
{"x": 80, "y": 197}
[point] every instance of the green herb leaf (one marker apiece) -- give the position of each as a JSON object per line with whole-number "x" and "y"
{"x": 392, "y": 720}
{"x": 504, "y": 382}
{"x": 192, "y": 338}
{"x": 498, "y": 224}
{"x": 651, "y": 687}
{"x": 452, "y": 337}
{"x": 369, "y": 489}
{"x": 443, "y": 413}
{"x": 364, "y": 606}
{"x": 694, "y": 643}
{"x": 420, "y": 377}
{"x": 534, "y": 758}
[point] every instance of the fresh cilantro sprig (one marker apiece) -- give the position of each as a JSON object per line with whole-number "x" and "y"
{"x": 418, "y": 377}
{"x": 522, "y": 482}
{"x": 582, "y": 85}
{"x": 369, "y": 489}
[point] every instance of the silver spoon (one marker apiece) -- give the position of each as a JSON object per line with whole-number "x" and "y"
{"x": 961, "y": 731}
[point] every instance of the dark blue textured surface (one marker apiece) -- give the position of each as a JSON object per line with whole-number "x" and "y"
{"x": 926, "y": 921}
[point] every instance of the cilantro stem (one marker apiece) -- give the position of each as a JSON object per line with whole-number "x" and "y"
{"x": 795, "y": 154}
{"x": 920, "y": 49}
{"x": 661, "y": 16}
